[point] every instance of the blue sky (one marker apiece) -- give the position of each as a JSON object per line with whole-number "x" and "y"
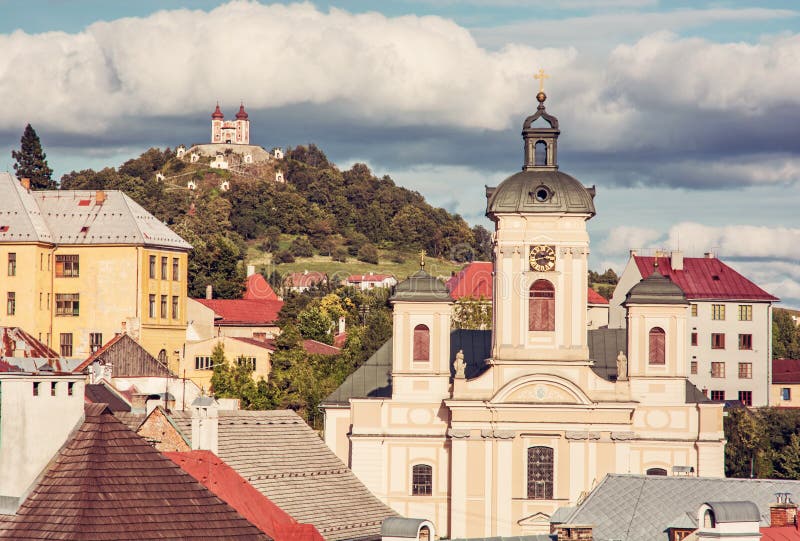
{"x": 684, "y": 114}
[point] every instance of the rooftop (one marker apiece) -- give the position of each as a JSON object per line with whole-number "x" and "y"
{"x": 243, "y": 312}
{"x": 785, "y": 370}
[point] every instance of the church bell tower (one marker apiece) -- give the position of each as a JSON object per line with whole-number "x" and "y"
{"x": 541, "y": 252}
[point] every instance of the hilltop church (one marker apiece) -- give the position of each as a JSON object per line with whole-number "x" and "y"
{"x": 487, "y": 433}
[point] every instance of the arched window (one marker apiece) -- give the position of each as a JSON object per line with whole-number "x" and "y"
{"x": 709, "y": 521}
{"x": 657, "y": 342}
{"x": 540, "y": 153}
{"x": 540, "y": 473}
{"x": 656, "y": 471}
{"x": 424, "y": 534}
{"x": 542, "y": 307}
{"x": 421, "y": 480}
{"x": 422, "y": 343}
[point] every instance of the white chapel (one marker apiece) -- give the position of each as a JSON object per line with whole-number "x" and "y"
{"x": 487, "y": 433}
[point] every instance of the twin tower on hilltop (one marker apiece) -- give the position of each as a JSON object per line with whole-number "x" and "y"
{"x": 236, "y": 132}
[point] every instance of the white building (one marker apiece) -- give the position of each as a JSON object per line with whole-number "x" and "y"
{"x": 371, "y": 281}
{"x": 730, "y": 323}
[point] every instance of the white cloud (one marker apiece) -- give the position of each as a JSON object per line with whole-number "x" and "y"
{"x": 738, "y": 241}
{"x": 623, "y": 238}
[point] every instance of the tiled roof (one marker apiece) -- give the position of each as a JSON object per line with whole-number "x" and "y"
{"x": 596, "y": 298}
{"x": 285, "y": 460}
{"x": 20, "y": 218}
{"x": 705, "y": 278}
{"x": 785, "y": 370}
{"x": 358, "y": 278}
{"x": 243, "y": 312}
{"x": 107, "y": 483}
{"x": 100, "y": 393}
{"x": 232, "y": 488}
{"x": 14, "y": 338}
{"x": 258, "y": 289}
{"x": 320, "y": 348}
{"x": 473, "y": 281}
{"x": 340, "y": 339}
{"x": 641, "y": 507}
{"x": 305, "y": 279}
{"x": 373, "y": 378}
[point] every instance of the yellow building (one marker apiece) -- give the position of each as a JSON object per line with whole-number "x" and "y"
{"x": 80, "y": 266}
{"x": 487, "y": 433}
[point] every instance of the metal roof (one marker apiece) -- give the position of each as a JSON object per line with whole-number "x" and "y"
{"x": 516, "y": 194}
{"x": 732, "y": 511}
{"x": 656, "y": 289}
{"x": 402, "y": 527}
{"x": 421, "y": 287}
{"x": 20, "y": 218}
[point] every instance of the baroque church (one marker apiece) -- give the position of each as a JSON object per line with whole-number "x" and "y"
{"x": 487, "y": 433}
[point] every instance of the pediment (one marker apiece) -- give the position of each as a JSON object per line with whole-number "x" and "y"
{"x": 541, "y": 389}
{"x": 535, "y": 519}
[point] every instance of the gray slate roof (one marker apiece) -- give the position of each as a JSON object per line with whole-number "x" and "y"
{"x": 515, "y": 194}
{"x": 284, "y": 459}
{"x": 641, "y": 507}
{"x": 59, "y": 216}
{"x": 656, "y": 289}
{"x": 421, "y": 287}
{"x": 373, "y": 379}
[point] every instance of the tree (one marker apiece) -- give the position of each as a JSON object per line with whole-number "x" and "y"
{"x": 470, "y": 313}
{"x": 301, "y": 247}
{"x": 314, "y": 324}
{"x": 368, "y": 254}
{"x": 785, "y": 336}
{"x": 32, "y": 161}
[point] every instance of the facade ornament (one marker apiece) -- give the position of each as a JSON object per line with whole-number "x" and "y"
{"x": 582, "y": 435}
{"x": 458, "y": 434}
{"x": 622, "y": 367}
{"x": 459, "y": 364}
{"x": 623, "y": 436}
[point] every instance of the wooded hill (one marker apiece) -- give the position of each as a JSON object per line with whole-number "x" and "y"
{"x": 323, "y": 210}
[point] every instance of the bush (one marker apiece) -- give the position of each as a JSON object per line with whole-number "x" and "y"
{"x": 368, "y": 254}
{"x": 284, "y": 256}
{"x": 397, "y": 257}
{"x": 301, "y": 247}
{"x": 340, "y": 254}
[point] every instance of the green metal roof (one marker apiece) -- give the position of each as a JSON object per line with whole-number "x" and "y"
{"x": 656, "y": 289}
{"x": 421, "y": 287}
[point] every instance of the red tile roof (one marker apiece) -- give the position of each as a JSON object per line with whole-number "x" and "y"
{"x": 109, "y": 483}
{"x": 258, "y": 289}
{"x": 243, "y": 312}
{"x": 340, "y": 339}
{"x": 358, "y": 278}
{"x": 780, "y": 533}
{"x": 319, "y": 348}
{"x": 305, "y": 279}
{"x": 231, "y": 487}
{"x": 12, "y": 337}
{"x": 475, "y": 281}
{"x": 705, "y": 278}
{"x": 785, "y": 370}
{"x": 596, "y": 298}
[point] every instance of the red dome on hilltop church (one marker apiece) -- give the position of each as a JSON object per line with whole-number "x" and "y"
{"x": 217, "y": 114}
{"x": 241, "y": 115}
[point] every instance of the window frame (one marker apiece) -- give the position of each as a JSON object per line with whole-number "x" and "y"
{"x": 720, "y": 394}
{"x": 693, "y": 309}
{"x": 745, "y": 342}
{"x": 718, "y": 312}
{"x": 65, "y": 344}
{"x": 68, "y": 304}
{"x": 693, "y": 367}
{"x": 176, "y": 273}
{"x": 656, "y": 347}
{"x": 68, "y": 266}
{"x": 152, "y": 305}
{"x": 540, "y": 484}
{"x": 720, "y": 372}
{"x": 786, "y": 393}
{"x": 175, "y": 307}
{"x": 745, "y": 370}
{"x": 163, "y": 303}
{"x": 12, "y": 263}
{"x": 717, "y": 340}
{"x": 422, "y": 479}
{"x": 542, "y": 301}
{"x": 746, "y": 398}
{"x": 202, "y": 362}
{"x": 95, "y": 341}
{"x": 421, "y": 346}
{"x": 745, "y": 312}
{"x": 11, "y": 303}
{"x": 164, "y": 263}
{"x": 152, "y": 267}
{"x": 249, "y": 361}
{"x": 694, "y": 339}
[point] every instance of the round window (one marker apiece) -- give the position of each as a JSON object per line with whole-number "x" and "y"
{"x": 542, "y": 194}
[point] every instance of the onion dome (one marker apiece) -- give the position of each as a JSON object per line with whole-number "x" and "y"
{"x": 217, "y": 114}
{"x": 421, "y": 287}
{"x": 540, "y": 187}
{"x": 656, "y": 289}
{"x": 242, "y": 114}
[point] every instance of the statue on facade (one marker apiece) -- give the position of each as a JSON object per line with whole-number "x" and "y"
{"x": 622, "y": 367}
{"x": 459, "y": 364}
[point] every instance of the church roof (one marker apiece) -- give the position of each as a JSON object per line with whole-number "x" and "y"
{"x": 242, "y": 114}
{"x": 258, "y": 289}
{"x": 656, "y": 289}
{"x": 217, "y": 114}
{"x": 705, "y": 278}
{"x": 540, "y": 191}
{"x": 421, "y": 287}
{"x": 642, "y": 507}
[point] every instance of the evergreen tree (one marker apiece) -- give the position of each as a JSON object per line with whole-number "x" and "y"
{"x": 32, "y": 161}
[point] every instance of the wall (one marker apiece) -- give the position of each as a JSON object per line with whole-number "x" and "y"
{"x": 233, "y": 349}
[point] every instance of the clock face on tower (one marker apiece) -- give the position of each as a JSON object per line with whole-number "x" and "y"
{"x": 543, "y": 258}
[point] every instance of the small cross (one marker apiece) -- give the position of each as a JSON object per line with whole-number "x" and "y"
{"x": 422, "y": 259}
{"x": 541, "y": 76}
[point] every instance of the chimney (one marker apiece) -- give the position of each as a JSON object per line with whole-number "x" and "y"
{"x": 26, "y": 183}
{"x": 709, "y": 255}
{"x": 783, "y": 512}
{"x": 209, "y": 292}
{"x": 676, "y": 260}
{"x": 251, "y": 270}
{"x": 205, "y": 424}
{"x": 574, "y": 532}
{"x": 342, "y": 323}
{"x": 139, "y": 402}
{"x": 99, "y": 197}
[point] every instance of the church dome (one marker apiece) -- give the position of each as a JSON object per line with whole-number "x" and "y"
{"x": 421, "y": 287}
{"x": 540, "y": 190}
{"x": 241, "y": 115}
{"x": 540, "y": 186}
{"x": 217, "y": 114}
{"x": 656, "y": 289}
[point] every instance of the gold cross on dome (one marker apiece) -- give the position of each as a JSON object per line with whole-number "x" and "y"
{"x": 422, "y": 255}
{"x": 541, "y": 76}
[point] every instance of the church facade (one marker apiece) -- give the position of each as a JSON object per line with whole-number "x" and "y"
{"x": 232, "y": 132}
{"x": 487, "y": 433}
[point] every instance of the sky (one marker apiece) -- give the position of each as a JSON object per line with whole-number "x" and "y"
{"x": 685, "y": 115}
